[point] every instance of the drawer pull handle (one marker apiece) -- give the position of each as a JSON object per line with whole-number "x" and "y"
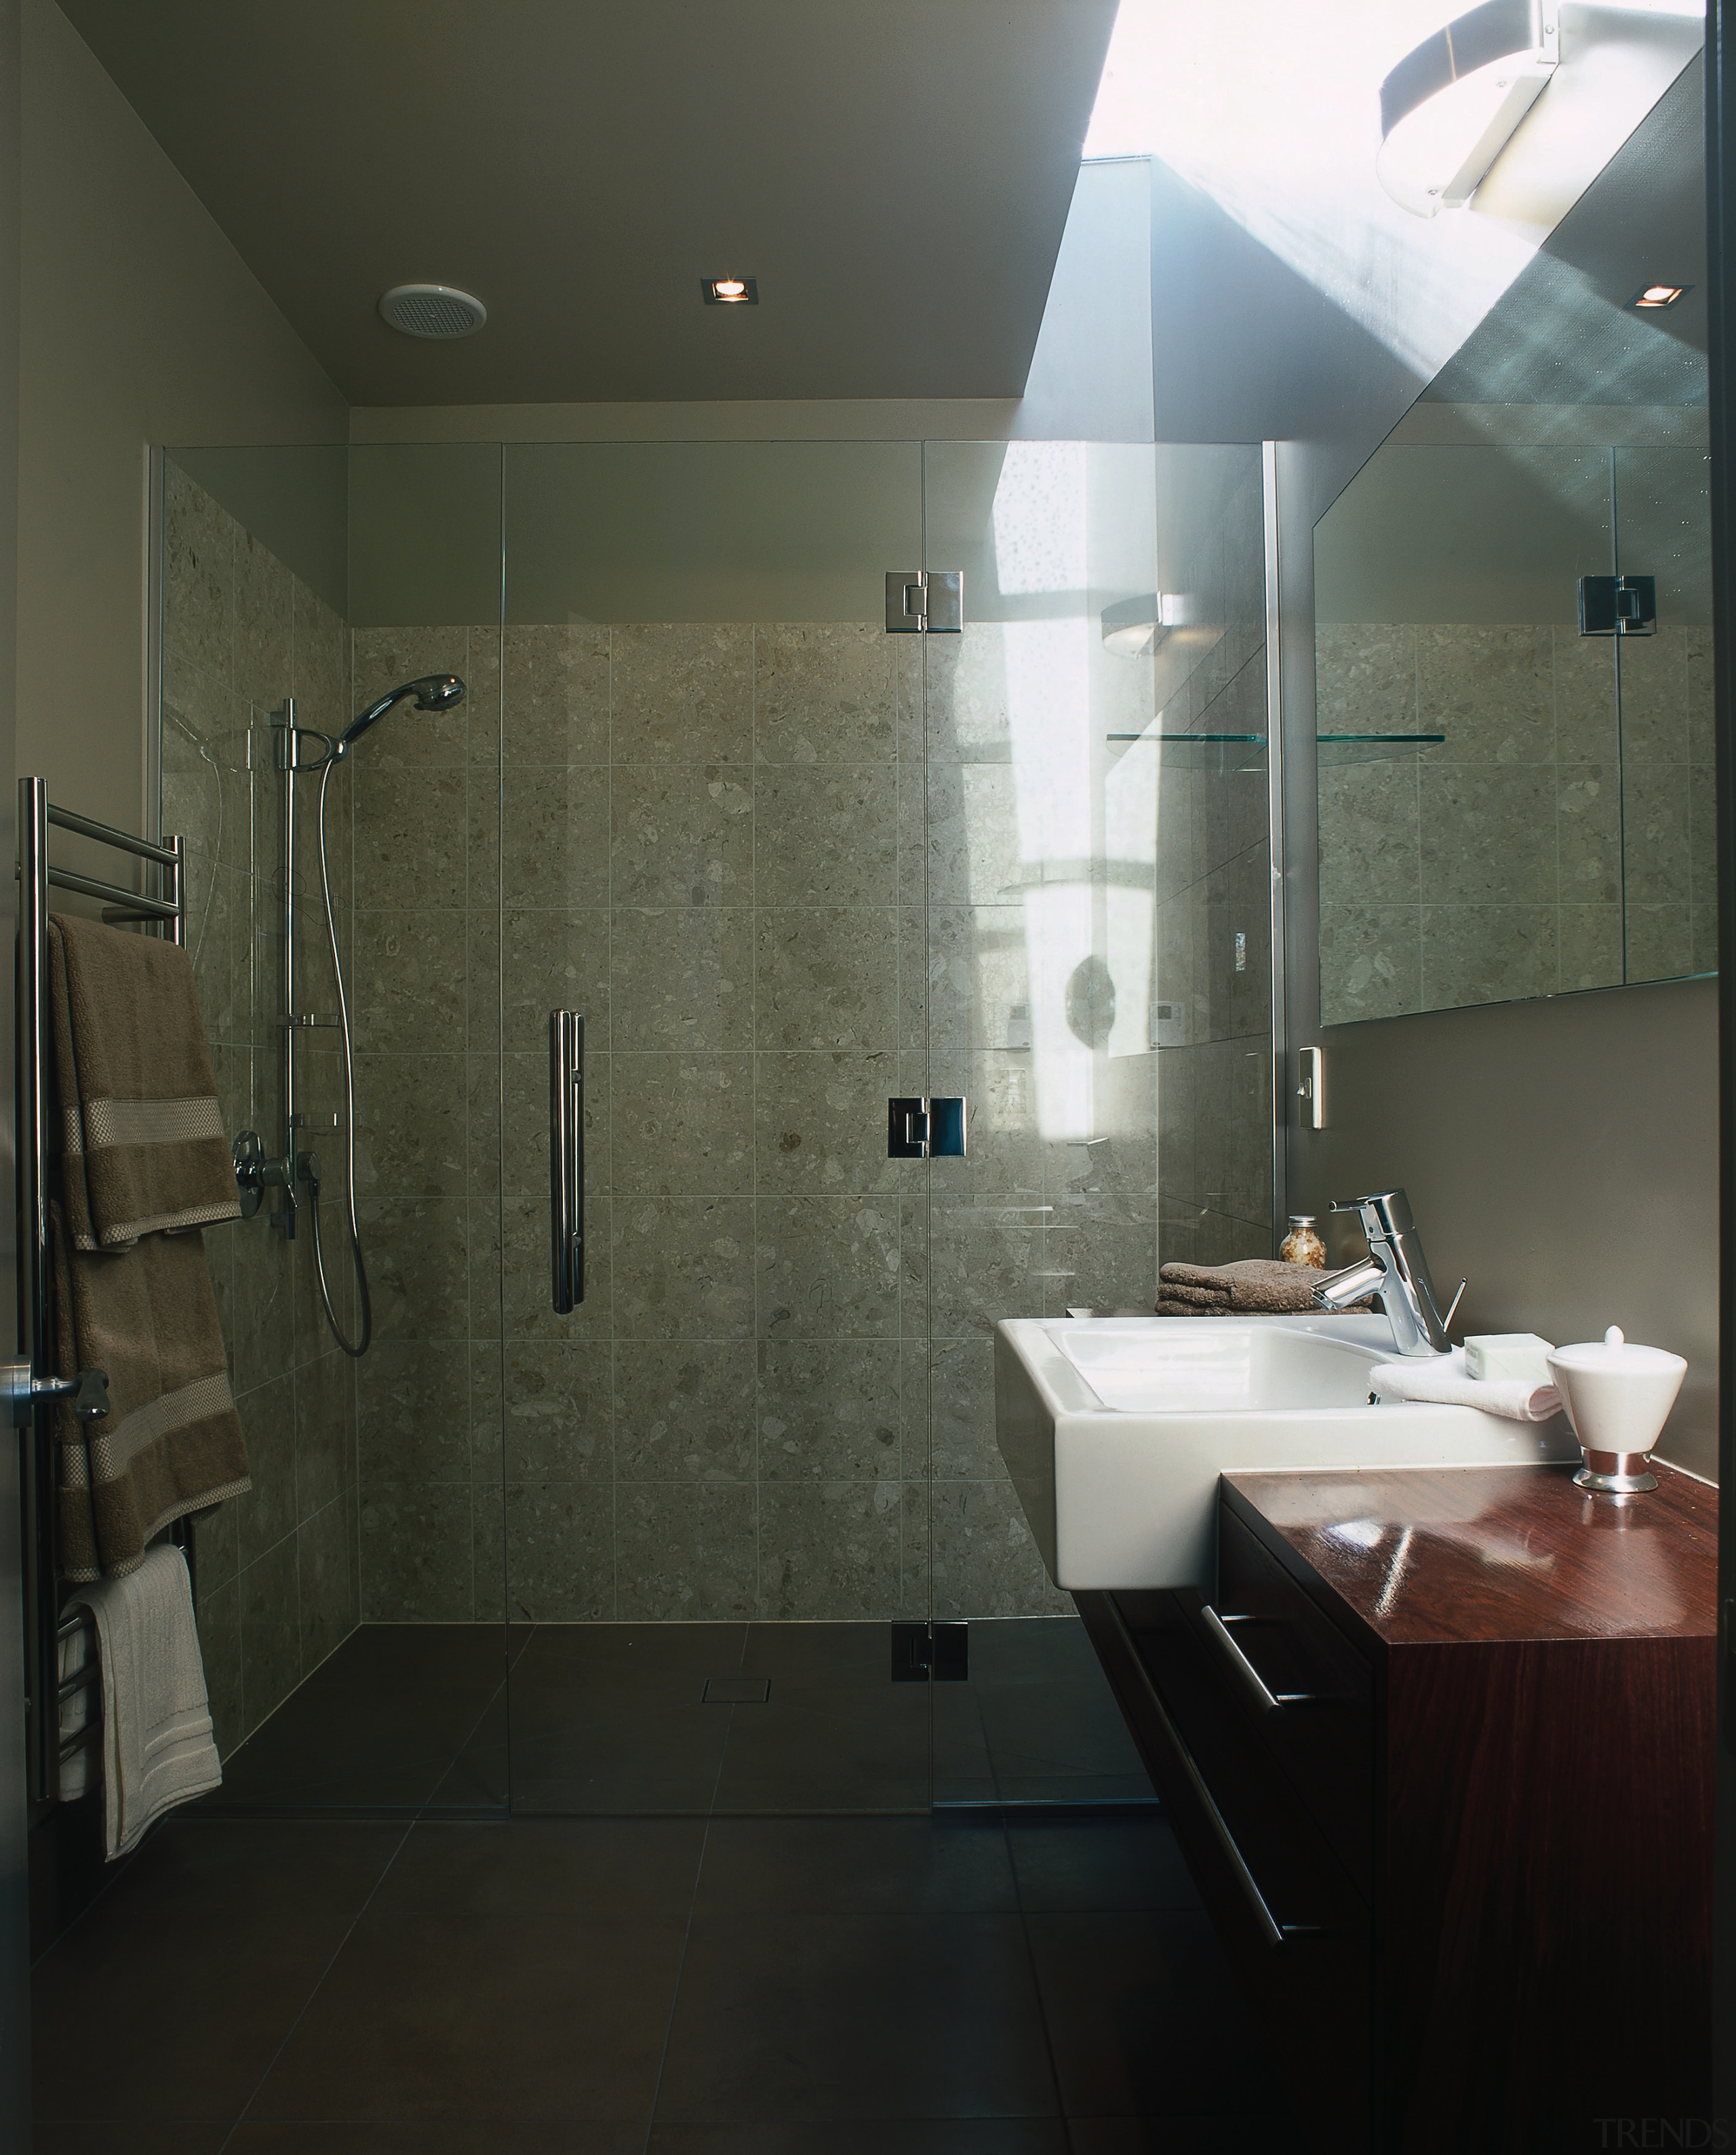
{"x": 1271, "y": 1701}
{"x": 1276, "y": 1933}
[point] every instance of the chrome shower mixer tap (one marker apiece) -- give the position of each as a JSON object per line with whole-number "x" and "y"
{"x": 296, "y": 1169}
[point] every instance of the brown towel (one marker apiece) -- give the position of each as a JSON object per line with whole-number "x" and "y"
{"x": 1250, "y": 1286}
{"x": 144, "y": 1165}
{"x": 143, "y": 1148}
{"x": 170, "y": 1442}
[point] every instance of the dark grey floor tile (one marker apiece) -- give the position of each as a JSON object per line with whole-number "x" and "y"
{"x": 195, "y": 1865}
{"x": 425, "y": 1657}
{"x": 807, "y": 1865}
{"x": 868, "y": 2136}
{"x": 1099, "y": 1790}
{"x": 1050, "y": 1738}
{"x": 963, "y": 1771}
{"x": 615, "y": 1731}
{"x": 828, "y": 1747}
{"x": 1036, "y": 1722}
{"x": 582, "y": 1753}
{"x": 214, "y": 1937}
{"x": 195, "y": 2010}
{"x": 546, "y": 1866}
{"x": 509, "y": 2135}
{"x": 468, "y": 2017}
{"x": 815, "y": 2017}
{"x": 597, "y": 1795}
{"x": 68, "y": 1867}
{"x": 181, "y": 2137}
{"x": 381, "y": 1720}
{"x": 480, "y": 1777}
{"x": 1083, "y": 1863}
{"x": 632, "y": 1655}
{"x": 609, "y": 1717}
{"x": 1035, "y": 1650}
{"x": 1182, "y": 2136}
{"x": 1145, "y": 2017}
{"x": 858, "y": 1655}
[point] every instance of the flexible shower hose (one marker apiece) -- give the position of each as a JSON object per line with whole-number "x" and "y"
{"x": 359, "y": 1347}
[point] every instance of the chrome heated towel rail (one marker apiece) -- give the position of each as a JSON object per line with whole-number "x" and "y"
{"x": 35, "y": 1126}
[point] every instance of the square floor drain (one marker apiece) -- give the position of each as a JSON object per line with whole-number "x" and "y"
{"x": 736, "y": 1690}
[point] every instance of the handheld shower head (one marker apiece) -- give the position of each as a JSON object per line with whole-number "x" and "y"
{"x": 434, "y": 692}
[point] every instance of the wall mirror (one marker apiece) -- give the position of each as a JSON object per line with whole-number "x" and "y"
{"x": 1513, "y": 643}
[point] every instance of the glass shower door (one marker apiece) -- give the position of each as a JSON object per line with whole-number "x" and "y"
{"x": 788, "y": 867}
{"x": 1044, "y": 975}
{"x": 711, "y": 846}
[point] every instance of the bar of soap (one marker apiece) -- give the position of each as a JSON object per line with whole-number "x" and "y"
{"x": 1489, "y": 1355}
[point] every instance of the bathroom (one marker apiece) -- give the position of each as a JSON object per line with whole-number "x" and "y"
{"x": 902, "y": 792}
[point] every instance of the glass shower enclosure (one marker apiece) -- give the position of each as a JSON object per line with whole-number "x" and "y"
{"x": 733, "y": 1534}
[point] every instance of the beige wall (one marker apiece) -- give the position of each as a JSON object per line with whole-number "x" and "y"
{"x": 141, "y": 324}
{"x": 1563, "y": 1154}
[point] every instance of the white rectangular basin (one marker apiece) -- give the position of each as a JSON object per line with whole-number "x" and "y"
{"x": 1115, "y": 1430}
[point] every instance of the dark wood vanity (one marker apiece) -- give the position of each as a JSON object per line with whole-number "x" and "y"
{"x": 1439, "y": 1758}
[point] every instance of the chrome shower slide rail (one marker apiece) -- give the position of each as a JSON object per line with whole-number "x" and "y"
{"x": 35, "y": 1138}
{"x": 566, "y": 1157}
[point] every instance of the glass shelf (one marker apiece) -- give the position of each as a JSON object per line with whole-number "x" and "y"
{"x": 1213, "y": 752}
{"x": 1335, "y": 749}
{"x": 1232, "y": 752}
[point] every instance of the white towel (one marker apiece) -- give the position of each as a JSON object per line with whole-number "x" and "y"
{"x": 1443, "y": 1380}
{"x": 157, "y": 1748}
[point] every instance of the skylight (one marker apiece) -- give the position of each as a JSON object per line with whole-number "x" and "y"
{"x": 1274, "y": 110}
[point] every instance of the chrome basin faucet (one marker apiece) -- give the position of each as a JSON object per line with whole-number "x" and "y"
{"x": 1396, "y": 1270}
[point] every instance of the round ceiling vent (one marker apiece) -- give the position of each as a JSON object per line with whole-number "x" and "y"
{"x": 433, "y": 311}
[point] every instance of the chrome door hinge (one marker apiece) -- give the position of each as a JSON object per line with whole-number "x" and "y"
{"x": 931, "y": 1653}
{"x": 925, "y": 1129}
{"x": 924, "y": 601}
{"x": 1618, "y": 606}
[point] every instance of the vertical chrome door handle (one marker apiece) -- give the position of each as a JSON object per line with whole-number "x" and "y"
{"x": 566, "y": 1157}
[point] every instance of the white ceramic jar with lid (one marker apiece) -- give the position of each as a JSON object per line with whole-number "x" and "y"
{"x": 1618, "y": 1397}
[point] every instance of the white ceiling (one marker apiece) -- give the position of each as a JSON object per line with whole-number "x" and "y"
{"x": 896, "y": 173}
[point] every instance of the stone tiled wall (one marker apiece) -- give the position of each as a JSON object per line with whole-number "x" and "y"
{"x": 1561, "y": 837}
{"x": 1214, "y": 886}
{"x": 276, "y": 1569}
{"x": 711, "y": 839}
{"x": 426, "y": 997}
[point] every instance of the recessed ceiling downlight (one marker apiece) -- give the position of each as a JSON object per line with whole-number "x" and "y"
{"x": 433, "y": 311}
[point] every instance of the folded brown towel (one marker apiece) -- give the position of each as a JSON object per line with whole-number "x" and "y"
{"x": 144, "y": 1165}
{"x": 1250, "y": 1286}
{"x": 143, "y": 1148}
{"x": 1194, "y": 1297}
{"x": 171, "y": 1441}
